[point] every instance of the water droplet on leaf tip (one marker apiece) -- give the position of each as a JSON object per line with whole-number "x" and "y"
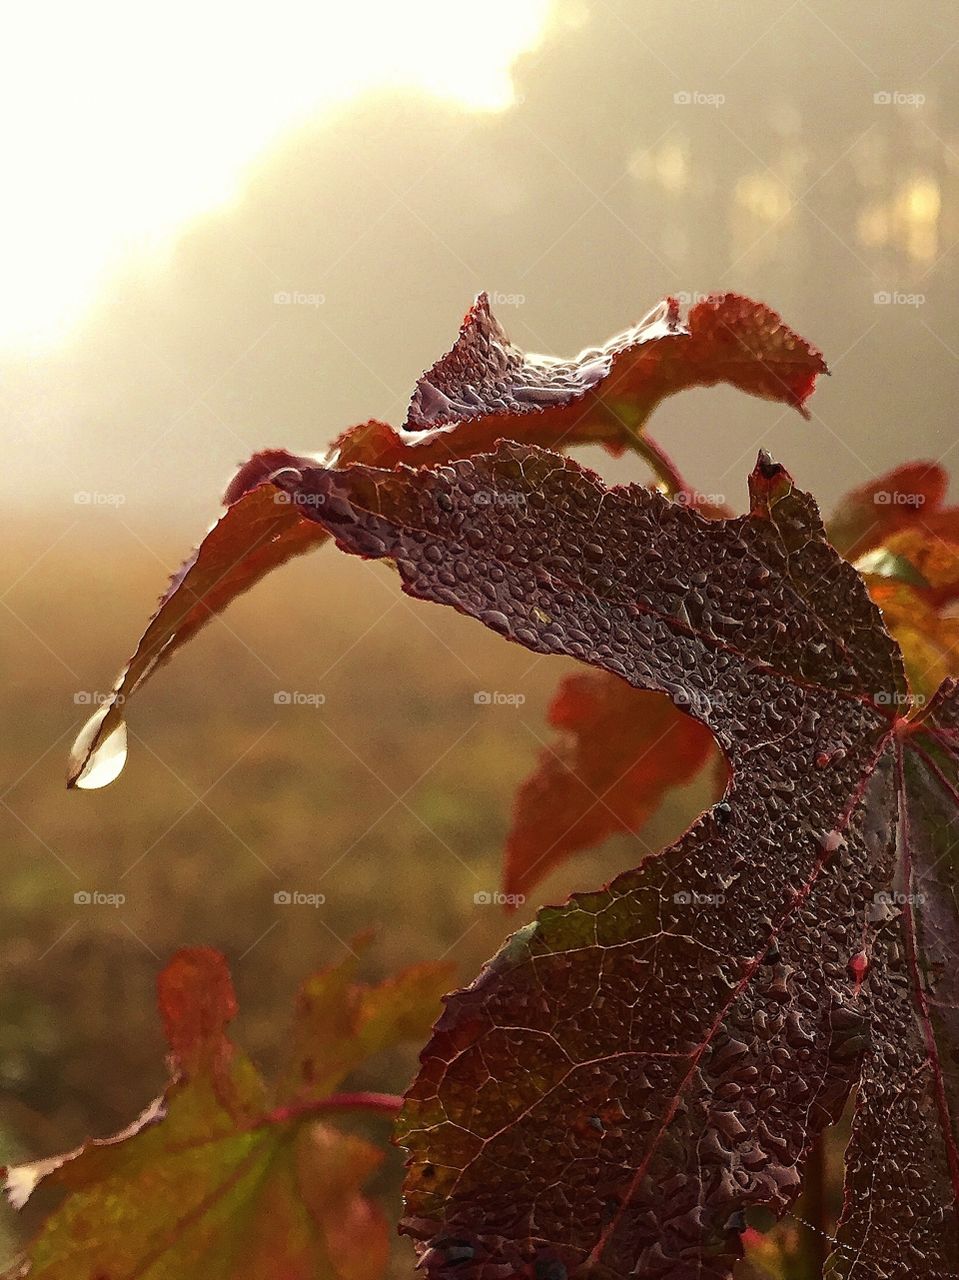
{"x": 107, "y": 761}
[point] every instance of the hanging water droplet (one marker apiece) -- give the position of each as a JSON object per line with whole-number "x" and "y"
{"x": 107, "y": 761}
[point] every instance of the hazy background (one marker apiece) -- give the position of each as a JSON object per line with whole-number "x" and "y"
{"x": 169, "y": 174}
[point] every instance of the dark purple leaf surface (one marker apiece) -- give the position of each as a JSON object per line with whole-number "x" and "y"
{"x": 639, "y": 1067}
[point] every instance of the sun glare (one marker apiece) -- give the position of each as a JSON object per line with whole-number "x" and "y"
{"x": 123, "y": 122}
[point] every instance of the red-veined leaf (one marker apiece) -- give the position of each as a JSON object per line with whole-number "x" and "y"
{"x": 639, "y": 1067}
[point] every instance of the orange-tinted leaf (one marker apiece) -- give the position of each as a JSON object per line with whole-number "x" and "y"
{"x": 481, "y": 390}
{"x": 865, "y": 517}
{"x": 197, "y": 1002}
{"x": 905, "y": 542}
{"x": 619, "y": 751}
{"x": 487, "y": 389}
{"x": 929, "y": 639}
{"x": 339, "y": 1023}
{"x": 934, "y": 557}
{"x": 209, "y": 1182}
{"x": 331, "y": 1167}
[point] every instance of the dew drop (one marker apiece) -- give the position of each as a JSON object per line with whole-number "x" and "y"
{"x": 498, "y": 621}
{"x": 106, "y": 763}
{"x": 858, "y": 969}
{"x": 831, "y": 842}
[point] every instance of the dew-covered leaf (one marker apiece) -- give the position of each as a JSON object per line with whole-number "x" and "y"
{"x": 484, "y": 384}
{"x": 618, "y": 752}
{"x": 482, "y": 390}
{"x": 210, "y": 1181}
{"x": 639, "y": 1067}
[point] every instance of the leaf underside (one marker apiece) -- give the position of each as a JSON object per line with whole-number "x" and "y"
{"x": 637, "y": 1068}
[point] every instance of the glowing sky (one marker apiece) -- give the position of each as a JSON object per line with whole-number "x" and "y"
{"x": 122, "y": 121}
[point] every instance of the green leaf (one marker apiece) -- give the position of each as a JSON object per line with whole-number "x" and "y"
{"x": 209, "y": 1182}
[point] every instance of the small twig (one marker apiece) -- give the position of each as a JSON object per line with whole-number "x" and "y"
{"x": 662, "y": 464}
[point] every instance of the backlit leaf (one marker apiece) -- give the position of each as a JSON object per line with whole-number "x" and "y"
{"x": 253, "y": 536}
{"x": 340, "y": 1023}
{"x": 209, "y": 1181}
{"x": 866, "y": 517}
{"x": 487, "y": 389}
{"x": 483, "y": 389}
{"x": 620, "y": 749}
{"x": 640, "y": 1066}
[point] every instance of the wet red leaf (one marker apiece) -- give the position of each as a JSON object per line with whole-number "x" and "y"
{"x": 605, "y": 395}
{"x": 641, "y": 1065}
{"x": 619, "y": 751}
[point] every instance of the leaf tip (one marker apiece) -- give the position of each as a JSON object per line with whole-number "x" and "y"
{"x": 196, "y": 1000}
{"x": 769, "y": 482}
